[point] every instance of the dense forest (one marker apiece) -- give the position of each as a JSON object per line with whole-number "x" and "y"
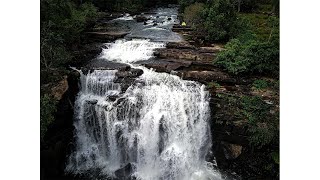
{"x": 248, "y": 30}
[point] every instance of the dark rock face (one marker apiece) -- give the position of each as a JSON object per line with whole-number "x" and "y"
{"x": 141, "y": 18}
{"x": 57, "y": 140}
{"x": 231, "y": 151}
{"x": 207, "y": 76}
{"x": 86, "y": 53}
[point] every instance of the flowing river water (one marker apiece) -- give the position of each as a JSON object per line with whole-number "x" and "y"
{"x": 159, "y": 125}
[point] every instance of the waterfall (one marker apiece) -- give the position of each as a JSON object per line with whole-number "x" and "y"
{"x": 130, "y": 51}
{"x": 159, "y": 125}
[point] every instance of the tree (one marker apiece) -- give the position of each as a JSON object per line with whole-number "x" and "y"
{"x": 219, "y": 20}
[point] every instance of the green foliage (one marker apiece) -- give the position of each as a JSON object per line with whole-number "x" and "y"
{"x": 263, "y": 125}
{"x": 275, "y": 157}
{"x": 62, "y": 23}
{"x": 260, "y": 84}
{"x": 251, "y": 57}
{"x": 255, "y": 50}
{"x": 247, "y": 5}
{"x": 53, "y": 52}
{"x": 262, "y": 134}
{"x": 254, "y": 108}
{"x": 184, "y": 3}
{"x": 214, "y": 84}
{"x": 234, "y": 59}
{"x": 192, "y": 14}
{"x": 47, "y": 110}
{"x": 77, "y": 21}
{"x": 219, "y": 20}
{"x": 262, "y": 25}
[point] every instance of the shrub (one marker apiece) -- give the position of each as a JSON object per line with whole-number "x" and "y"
{"x": 263, "y": 126}
{"x": 184, "y": 3}
{"x": 214, "y": 84}
{"x": 255, "y": 50}
{"x": 192, "y": 14}
{"x": 254, "y": 109}
{"x": 249, "y": 57}
{"x": 260, "y": 84}
{"x": 219, "y": 20}
{"x": 47, "y": 110}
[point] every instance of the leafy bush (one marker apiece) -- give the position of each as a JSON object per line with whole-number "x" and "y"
{"x": 214, "y": 84}
{"x": 263, "y": 134}
{"x": 275, "y": 157}
{"x": 260, "y": 84}
{"x": 263, "y": 126}
{"x": 192, "y": 14}
{"x": 250, "y": 57}
{"x": 219, "y": 20}
{"x": 47, "y": 110}
{"x": 254, "y": 109}
{"x": 265, "y": 27}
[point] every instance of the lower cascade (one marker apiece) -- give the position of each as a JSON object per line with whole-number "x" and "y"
{"x": 158, "y": 128}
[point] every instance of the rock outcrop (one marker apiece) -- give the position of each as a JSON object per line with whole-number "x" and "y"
{"x": 106, "y": 36}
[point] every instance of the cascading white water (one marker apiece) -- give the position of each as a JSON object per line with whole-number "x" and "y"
{"x": 130, "y": 51}
{"x": 159, "y": 125}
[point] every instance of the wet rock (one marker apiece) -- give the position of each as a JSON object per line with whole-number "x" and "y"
{"x": 179, "y": 45}
{"x": 103, "y": 64}
{"x": 165, "y": 65}
{"x": 93, "y": 101}
{"x": 106, "y": 36}
{"x": 141, "y": 18}
{"x": 207, "y": 76}
{"x": 179, "y": 28}
{"x": 129, "y": 73}
{"x": 112, "y": 98}
{"x": 125, "y": 172}
{"x": 231, "y": 151}
{"x": 85, "y": 53}
{"x": 209, "y": 49}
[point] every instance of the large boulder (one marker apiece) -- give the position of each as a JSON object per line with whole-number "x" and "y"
{"x": 60, "y": 88}
{"x": 141, "y": 18}
{"x": 231, "y": 151}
